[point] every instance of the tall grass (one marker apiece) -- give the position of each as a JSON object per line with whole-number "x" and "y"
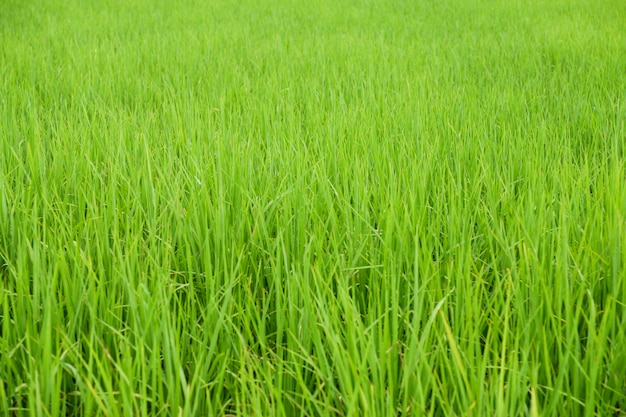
{"x": 326, "y": 208}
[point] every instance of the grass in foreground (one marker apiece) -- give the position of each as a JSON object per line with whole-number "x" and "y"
{"x": 312, "y": 208}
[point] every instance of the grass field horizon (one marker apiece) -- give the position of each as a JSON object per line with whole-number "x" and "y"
{"x": 325, "y": 208}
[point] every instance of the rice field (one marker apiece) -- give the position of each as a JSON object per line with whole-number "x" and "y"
{"x": 324, "y": 208}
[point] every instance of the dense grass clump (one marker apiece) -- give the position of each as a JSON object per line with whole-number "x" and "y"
{"x": 322, "y": 208}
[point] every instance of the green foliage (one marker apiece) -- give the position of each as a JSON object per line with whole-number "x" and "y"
{"x": 326, "y": 208}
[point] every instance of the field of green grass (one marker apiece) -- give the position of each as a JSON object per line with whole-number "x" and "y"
{"x": 325, "y": 208}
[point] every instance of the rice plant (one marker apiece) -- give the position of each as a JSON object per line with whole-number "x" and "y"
{"x": 322, "y": 208}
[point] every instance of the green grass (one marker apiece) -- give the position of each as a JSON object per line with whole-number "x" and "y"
{"x": 323, "y": 208}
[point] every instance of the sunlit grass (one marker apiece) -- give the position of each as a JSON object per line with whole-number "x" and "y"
{"x": 327, "y": 208}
